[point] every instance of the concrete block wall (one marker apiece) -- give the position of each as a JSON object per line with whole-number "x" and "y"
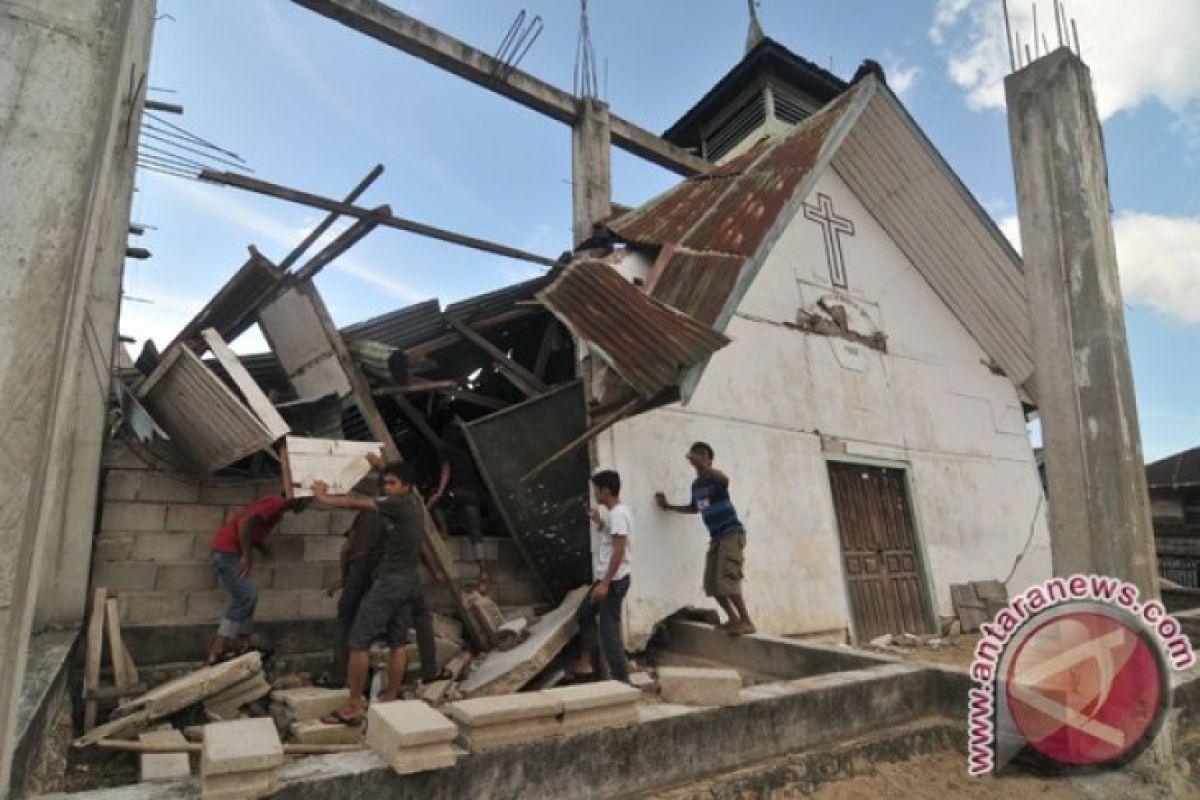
{"x": 152, "y": 548}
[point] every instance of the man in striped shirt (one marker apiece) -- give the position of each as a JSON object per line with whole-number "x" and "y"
{"x": 725, "y": 561}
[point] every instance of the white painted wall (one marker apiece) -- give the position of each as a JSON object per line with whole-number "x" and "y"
{"x": 767, "y": 401}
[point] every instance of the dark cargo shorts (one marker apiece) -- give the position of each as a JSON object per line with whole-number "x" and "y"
{"x": 387, "y": 608}
{"x": 724, "y": 564}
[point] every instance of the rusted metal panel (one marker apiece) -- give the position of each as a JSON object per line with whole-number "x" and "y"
{"x": 647, "y": 343}
{"x": 884, "y": 571}
{"x": 211, "y": 426}
{"x": 698, "y": 284}
{"x": 231, "y": 311}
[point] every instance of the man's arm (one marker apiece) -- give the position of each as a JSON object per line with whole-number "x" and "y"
{"x": 716, "y": 475}
{"x": 246, "y": 545}
{"x": 443, "y": 482}
{"x": 620, "y": 542}
{"x": 661, "y": 499}
{"x": 321, "y": 494}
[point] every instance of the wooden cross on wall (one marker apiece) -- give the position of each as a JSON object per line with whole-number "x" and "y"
{"x": 833, "y": 227}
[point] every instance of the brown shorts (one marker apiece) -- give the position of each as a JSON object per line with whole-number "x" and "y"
{"x": 723, "y": 565}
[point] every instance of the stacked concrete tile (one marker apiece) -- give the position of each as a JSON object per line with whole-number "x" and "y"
{"x": 591, "y": 706}
{"x": 240, "y": 760}
{"x": 691, "y": 686}
{"x": 488, "y": 722}
{"x": 298, "y": 713}
{"x": 164, "y": 766}
{"x": 410, "y": 736}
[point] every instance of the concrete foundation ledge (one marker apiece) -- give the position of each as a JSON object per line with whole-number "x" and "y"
{"x": 619, "y": 762}
{"x": 44, "y": 689}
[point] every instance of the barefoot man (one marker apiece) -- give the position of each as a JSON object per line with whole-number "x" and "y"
{"x": 395, "y": 594}
{"x": 723, "y": 566}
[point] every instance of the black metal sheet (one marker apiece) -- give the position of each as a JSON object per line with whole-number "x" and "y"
{"x": 547, "y": 518}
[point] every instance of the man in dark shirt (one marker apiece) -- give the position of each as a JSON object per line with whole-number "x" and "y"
{"x": 394, "y": 595}
{"x": 460, "y": 480}
{"x": 724, "y": 563}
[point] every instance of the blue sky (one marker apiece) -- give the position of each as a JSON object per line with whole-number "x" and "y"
{"x": 311, "y": 104}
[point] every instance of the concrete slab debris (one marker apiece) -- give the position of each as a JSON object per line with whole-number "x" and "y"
{"x": 694, "y": 686}
{"x": 225, "y": 705}
{"x": 163, "y": 766}
{"x": 244, "y": 745}
{"x": 410, "y": 736}
{"x": 585, "y": 696}
{"x": 485, "y": 711}
{"x": 239, "y": 785}
{"x": 192, "y": 688}
{"x": 317, "y": 732}
{"x": 341, "y": 464}
{"x": 310, "y": 702}
{"x": 505, "y": 672}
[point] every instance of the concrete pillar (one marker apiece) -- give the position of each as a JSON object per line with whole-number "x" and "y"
{"x": 591, "y": 171}
{"x": 72, "y": 81}
{"x": 1099, "y": 510}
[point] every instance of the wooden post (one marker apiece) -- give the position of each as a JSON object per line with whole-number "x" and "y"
{"x": 528, "y": 383}
{"x": 95, "y": 652}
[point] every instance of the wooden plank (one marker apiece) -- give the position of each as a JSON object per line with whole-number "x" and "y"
{"x": 341, "y": 464}
{"x": 95, "y": 652}
{"x": 390, "y": 221}
{"x": 332, "y": 217}
{"x": 416, "y": 385}
{"x": 418, "y": 420}
{"x": 483, "y": 401}
{"x": 406, "y": 33}
{"x": 435, "y": 692}
{"x": 528, "y": 383}
{"x": 420, "y": 351}
{"x": 116, "y": 650}
{"x": 250, "y": 390}
{"x": 545, "y": 347}
{"x": 504, "y": 672}
{"x": 197, "y": 747}
{"x": 345, "y": 240}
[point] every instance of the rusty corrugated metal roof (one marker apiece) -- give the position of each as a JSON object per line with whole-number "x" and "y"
{"x": 231, "y": 311}
{"x": 711, "y": 226}
{"x": 648, "y": 344}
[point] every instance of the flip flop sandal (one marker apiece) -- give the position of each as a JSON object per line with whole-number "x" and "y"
{"x": 340, "y": 718}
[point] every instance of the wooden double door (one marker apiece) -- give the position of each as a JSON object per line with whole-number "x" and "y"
{"x": 884, "y": 570}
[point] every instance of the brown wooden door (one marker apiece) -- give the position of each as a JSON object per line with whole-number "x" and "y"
{"x": 879, "y": 545}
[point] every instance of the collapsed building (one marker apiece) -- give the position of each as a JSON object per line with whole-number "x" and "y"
{"x": 821, "y": 299}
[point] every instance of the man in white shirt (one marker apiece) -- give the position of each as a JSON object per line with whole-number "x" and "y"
{"x": 612, "y": 526}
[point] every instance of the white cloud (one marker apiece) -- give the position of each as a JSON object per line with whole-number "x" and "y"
{"x": 1158, "y": 258}
{"x": 1136, "y": 53}
{"x": 901, "y": 76}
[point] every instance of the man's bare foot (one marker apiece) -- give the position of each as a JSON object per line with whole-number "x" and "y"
{"x": 741, "y": 628}
{"x": 485, "y": 582}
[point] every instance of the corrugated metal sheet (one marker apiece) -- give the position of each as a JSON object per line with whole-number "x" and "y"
{"x": 914, "y": 195}
{"x": 231, "y": 310}
{"x": 210, "y": 425}
{"x": 698, "y": 284}
{"x": 490, "y": 304}
{"x": 1181, "y": 469}
{"x": 402, "y": 328}
{"x": 647, "y": 343}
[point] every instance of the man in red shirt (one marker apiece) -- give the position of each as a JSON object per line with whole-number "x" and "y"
{"x": 233, "y": 558}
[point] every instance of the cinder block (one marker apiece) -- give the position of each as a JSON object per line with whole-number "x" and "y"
{"x": 195, "y": 518}
{"x": 207, "y": 606}
{"x": 340, "y": 520}
{"x": 486, "y": 711}
{"x": 317, "y": 732}
{"x": 244, "y": 745}
{"x": 163, "y": 547}
{"x": 122, "y": 484}
{"x": 201, "y": 545}
{"x": 148, "y": 608}
{"x": 262, "y": 572}
{"x": 128, "y": 576}
{"x": 163, "y": 488}
{"x": 229, "y": 495}
{"x": 316, "y": 604}
{"x": 122, "y": 516}
{"x": 113, "y": 547}
{"x": 585, "y": 696}
{"x": 118, "y": 455}
{"x": 278, "y": 604}
{"x": 300, "y": 576}
{"x": 310, "y": 702}
{"x": 323, "y": 548}
{"x": 164, "y": 766}
{"x": 310, "y": 522}
{"x": 186, "y": 575}
{"x": 692, "y": 686}
{"x": 333, "y": 574}
{"x": 286, "y": 548}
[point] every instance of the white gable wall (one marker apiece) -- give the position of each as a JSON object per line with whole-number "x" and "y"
{"x": 767, "y": 402}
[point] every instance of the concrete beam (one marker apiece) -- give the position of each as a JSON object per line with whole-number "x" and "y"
{"x": 1099, "y": 510}
{"x": 591, "y": 169}
{"x": 429, "y": 44}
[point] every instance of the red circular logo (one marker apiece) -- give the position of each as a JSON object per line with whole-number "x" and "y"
{"x": 1085, "y": 688}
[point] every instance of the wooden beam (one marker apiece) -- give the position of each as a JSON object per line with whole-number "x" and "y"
{"x": 332, "y": 217}
{"x": 544, "y": 348}
{"x": 528, "y": 383}
{"x": 95, "y": 652}
{"x": 116, "y": 651}
{"x": 347, "y": 239}
{"x": 417, "y": 385}
{"x": 405, "y": 33}
{"x": 588, "y": 435}
{"x": 420, "y": 351}
{"x": 246, "y": 384}
{"x": 417, "y": 419}
{"x": 197, "y": 747}
{"x": 483, "y": 401}
{"x": 390, "y": 221}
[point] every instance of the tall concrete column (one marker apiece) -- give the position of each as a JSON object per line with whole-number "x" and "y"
{"x": 1099, "y": 511}
{"x": 591, "y": 170}
{"x": 72, "y": 81}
